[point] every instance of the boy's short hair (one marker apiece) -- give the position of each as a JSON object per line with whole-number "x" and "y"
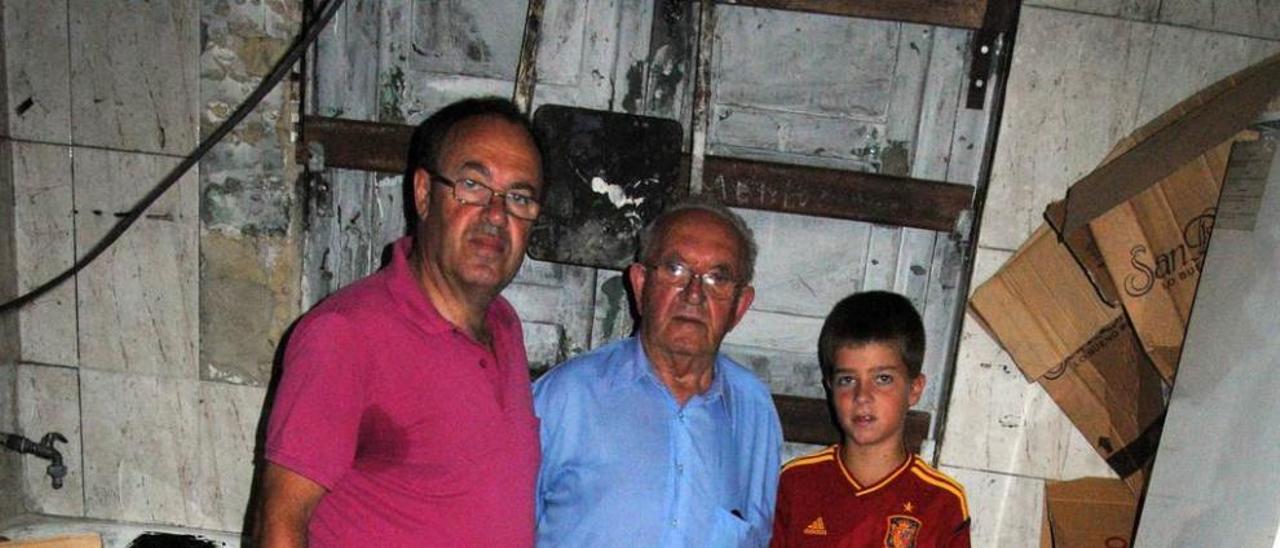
{"x": 873, "y": 317}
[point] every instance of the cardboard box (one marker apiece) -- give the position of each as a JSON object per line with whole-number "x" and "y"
{"x": 1045, "y": 312}
{"x": 1140, "y": 224}
{"x": 1093, "y": 307}
{"x": 1089, "y": 512}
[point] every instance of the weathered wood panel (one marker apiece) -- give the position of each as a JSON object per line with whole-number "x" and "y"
{"x": 911, "y": 76}
{"x": 806, "y": 279}
{"x": 886, "y": 108}
{"x": 846, "y": 65}
{"x": 395, "y": 63}
{"x": 338, "y": 246}
{"x": 937, "y": 254}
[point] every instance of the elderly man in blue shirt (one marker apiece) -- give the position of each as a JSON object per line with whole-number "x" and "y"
{"x": 659, "y": 440}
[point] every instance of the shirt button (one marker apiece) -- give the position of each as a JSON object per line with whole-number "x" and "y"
{"x": 673, "y": 523}
{"x": 679, "y": 469}
{"x": 484, "y": 363}
{"x": 680, "y": 416}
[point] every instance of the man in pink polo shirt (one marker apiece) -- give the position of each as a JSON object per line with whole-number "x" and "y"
{"x": 403, "y": 415}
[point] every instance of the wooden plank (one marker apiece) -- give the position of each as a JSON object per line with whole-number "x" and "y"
{"x": 808, "y": 420}
{"x": 355, "y": 144}
{"x": 767, "y": 186}
{"x": 834, "y": 193}
{"x": 967, "y": 14}
{"x": 672, "y": 42}
{"x": 789, "y": 280}
{"x": 701, "y": 96}
{"x": 882, "y": 258}
{"x": 911, "y": 74}
{"x": 527, "y": 69}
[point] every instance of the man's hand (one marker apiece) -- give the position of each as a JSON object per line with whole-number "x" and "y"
{"x": 288, "y": 498}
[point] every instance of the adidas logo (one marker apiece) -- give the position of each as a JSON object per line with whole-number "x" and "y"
{"x": 816, "y": 528}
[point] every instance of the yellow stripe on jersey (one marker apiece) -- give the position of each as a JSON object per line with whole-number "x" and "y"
{"x": 812, "y": 458}
{"x": 924, "y": 467}
{"x": 947, "y": 484}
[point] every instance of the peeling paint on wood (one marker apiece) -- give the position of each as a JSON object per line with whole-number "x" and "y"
{"x": 888, "y": 107}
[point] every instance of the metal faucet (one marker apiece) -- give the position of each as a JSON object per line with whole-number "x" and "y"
{"x": 44, "y": 450}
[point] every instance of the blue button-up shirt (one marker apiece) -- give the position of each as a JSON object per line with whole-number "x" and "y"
{"x": 624, "y": 465}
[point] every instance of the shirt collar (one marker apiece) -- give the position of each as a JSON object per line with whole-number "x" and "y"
{"x": 639, "y": 368}
{"x": 406, "y": 291}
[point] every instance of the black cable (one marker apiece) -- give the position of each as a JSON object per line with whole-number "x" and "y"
{"x": 278, "y": 73}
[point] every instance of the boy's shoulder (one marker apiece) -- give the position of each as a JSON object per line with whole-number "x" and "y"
{"x": 816, "y": 464}
{"x": 940, "y": 484}
{"x": 933, "y": 476}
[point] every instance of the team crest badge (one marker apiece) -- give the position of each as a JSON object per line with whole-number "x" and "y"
{"x": 902, "y": 532}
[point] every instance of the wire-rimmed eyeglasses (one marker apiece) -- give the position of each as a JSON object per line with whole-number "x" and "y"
{"x": 518, "y": 202}
{"x": 715, "y": 284}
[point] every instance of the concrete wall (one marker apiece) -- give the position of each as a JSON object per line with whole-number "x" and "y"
{"x": 1084, "y": 75}
{"x": 102, "y": 99}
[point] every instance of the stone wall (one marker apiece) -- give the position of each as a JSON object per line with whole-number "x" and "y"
{"x": 103, "y": 99}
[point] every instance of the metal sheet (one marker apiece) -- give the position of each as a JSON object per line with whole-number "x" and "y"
{"x": 607, "y": 176}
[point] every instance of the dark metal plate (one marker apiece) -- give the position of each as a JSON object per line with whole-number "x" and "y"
{"x": 607, "y": 175}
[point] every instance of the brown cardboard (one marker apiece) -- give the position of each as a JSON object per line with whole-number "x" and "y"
{"x": 1184, "y": 132}
{"x": 1040, "y": 307}
{"x": 1154, "y": 247}
{"x": 1146, "y": 253}
{"x": 1043, "y": 310}
{"x": 1089, "y": 512}
{"x": 1139, "y": 225}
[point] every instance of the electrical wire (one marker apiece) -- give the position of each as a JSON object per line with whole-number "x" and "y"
{"x": 277, "y": 74}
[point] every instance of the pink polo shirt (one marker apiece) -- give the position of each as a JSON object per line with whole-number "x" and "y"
{"x": 421, "y": 436}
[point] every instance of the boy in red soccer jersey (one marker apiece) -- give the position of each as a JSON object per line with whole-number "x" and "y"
{"x": 868, "y": 491}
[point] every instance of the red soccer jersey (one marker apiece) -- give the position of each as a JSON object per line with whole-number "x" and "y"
{"x": 820, "y": 504}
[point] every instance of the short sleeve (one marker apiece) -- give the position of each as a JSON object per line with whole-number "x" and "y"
{"x": 315, "y": 417}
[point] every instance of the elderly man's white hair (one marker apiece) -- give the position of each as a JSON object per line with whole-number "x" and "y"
{"x": 651, "y": 233}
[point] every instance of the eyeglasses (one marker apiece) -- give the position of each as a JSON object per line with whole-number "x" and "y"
{"x": 716, "y": 285}
{"x": 520, "y": 203}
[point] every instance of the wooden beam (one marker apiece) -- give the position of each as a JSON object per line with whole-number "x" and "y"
{"x": 968, "y": 14}
{"x": 353, "y": 144}
{"x": 808, "y": 420}
{"x": 834, "y": 193}
{"x": 768, "y": 186}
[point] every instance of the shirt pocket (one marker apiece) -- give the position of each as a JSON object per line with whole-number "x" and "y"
{"x": 728, "y": 529}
